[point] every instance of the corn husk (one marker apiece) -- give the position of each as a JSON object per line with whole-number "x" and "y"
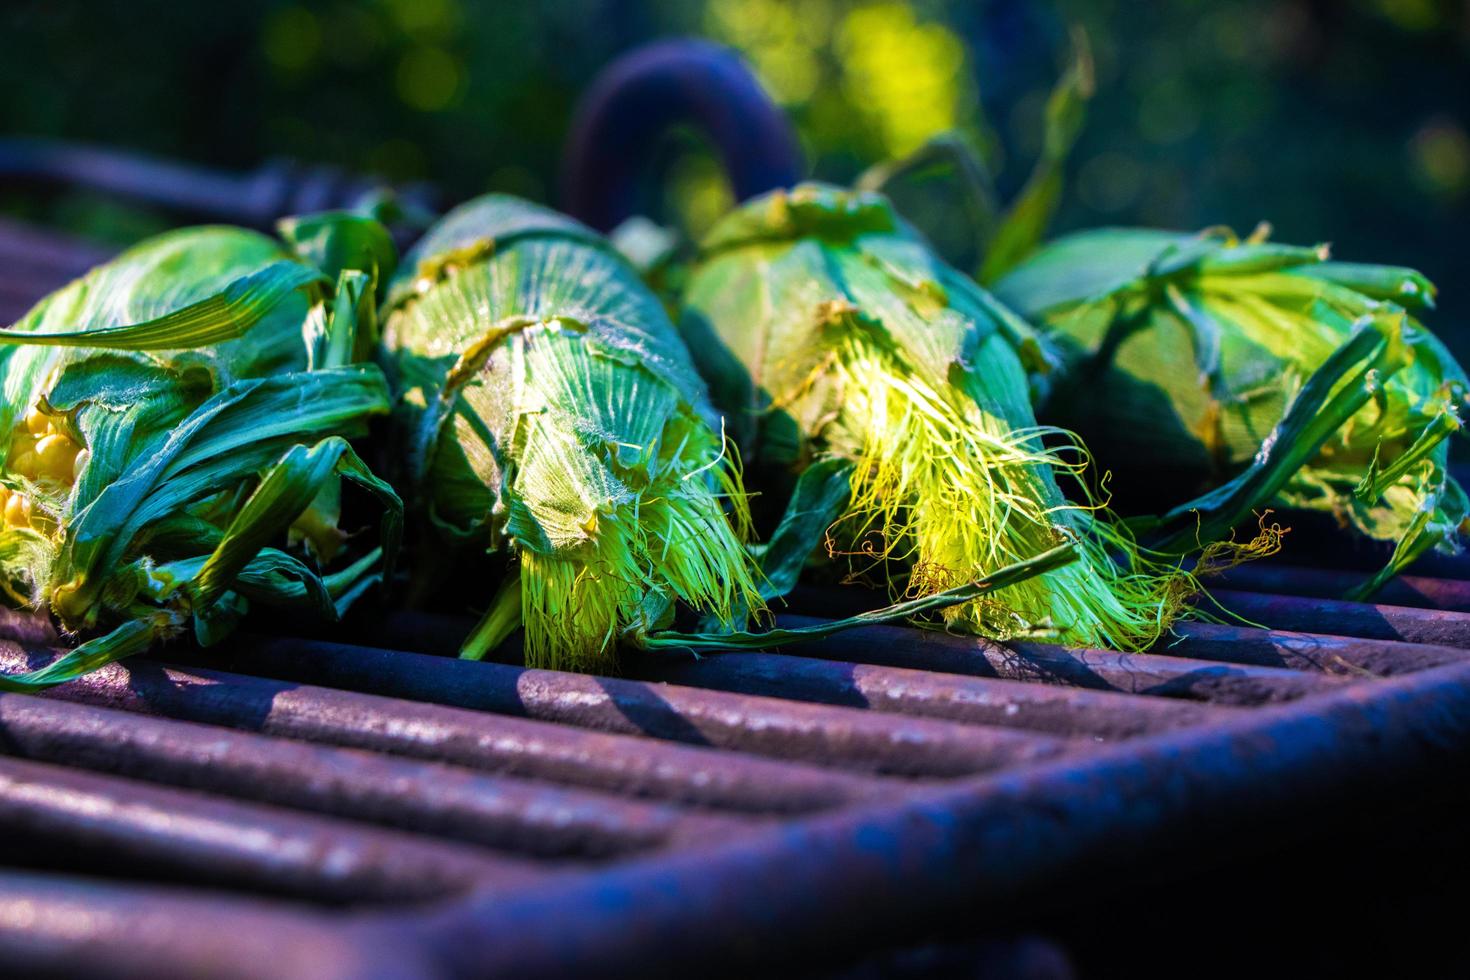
{"x": 549, "y": 412}
{"x": 843, "y": 350}
{"x": 178, "y": 422}
{"x": 1265, "y": 372}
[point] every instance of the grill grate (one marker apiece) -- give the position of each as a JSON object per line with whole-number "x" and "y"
{"x": 298, "y": 807}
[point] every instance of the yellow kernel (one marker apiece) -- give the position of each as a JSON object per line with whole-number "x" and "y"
{"x": 18, "y": 510}
{"x": 38, "y": 422}
{"x": 55, "y": 454}
{"x": 24, "y": 464}
{"x": 21, "y": 441}
{"x": 80, "y": 463}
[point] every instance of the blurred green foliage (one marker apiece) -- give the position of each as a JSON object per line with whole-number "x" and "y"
{"x": 1338, "y": 120}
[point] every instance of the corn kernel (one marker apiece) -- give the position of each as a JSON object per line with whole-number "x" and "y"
{"x": 54, "y": 455}
{"x": 24, "y": 464}
{"x": 38, "y": 423}
{"x": 18, "y": 510}
{"x": 79, "y": 463}
{"x": 21, "y": 441}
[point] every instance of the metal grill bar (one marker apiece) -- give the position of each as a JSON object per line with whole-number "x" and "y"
{"x": 1451, "y": 595}
{"x": 1056, "y": 711}
{"x": 759, "y": 725}
{"x": 64, "y": 927}
{"x": 880, "y": 873}
{"x": 633, "y": 766}
{"x": 1153, "y": 674}
{"x": 148, "y": 831}
{"x": 1311, "y": 651}
{"x": 446, "y": 801}
{"x": 1369, "y": 621}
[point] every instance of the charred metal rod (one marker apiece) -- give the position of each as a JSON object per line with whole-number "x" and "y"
{"x": 883, "y": 873}
{"x": 513, "y": 746}
{"x": 1345, "y": 655}
{"x": 50, "y": 813}
{"x": 732, "y": 719}
{"x": 57, "y": 926}
{"x": 1105, "y": 670}
{"x": 1365, "y": 620}
{"x": 1322, "y": 583}
{"x": 973, "y": 700}
{"x": 499, "y": 812}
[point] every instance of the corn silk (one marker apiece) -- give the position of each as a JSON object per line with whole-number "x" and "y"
{"x": 844, "y": 350}
{"x": 1263, "y": 372}
{"x": 177, "y": 424}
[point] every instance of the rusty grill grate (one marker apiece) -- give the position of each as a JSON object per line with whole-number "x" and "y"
{"x": 296, "y": 807}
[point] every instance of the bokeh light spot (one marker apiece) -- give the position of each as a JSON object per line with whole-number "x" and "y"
{"x": 779, "y": 38}
{"x": 905, "y": 74}
{"x": 428, "y": 78}
{"x": 1410, "y": 15}
{"x": 1167, "y": 114}
{"x": 427, "y": 20}
{"x": 1442, "y": 157}
{"x": 291, "y": 39}
{"x": 1110, "y": 182}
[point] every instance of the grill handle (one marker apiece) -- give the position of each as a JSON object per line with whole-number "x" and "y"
{"x": 652, "y": 89}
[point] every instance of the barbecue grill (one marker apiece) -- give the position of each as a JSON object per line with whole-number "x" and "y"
{"x": 888, "y": 802}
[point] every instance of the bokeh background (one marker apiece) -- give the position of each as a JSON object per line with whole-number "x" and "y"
{"x": 1338, "y": 120}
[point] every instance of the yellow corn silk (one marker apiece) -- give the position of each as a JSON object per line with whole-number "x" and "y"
{"x": 169, "y": 416}
{"x": 1194, "y": 356}
{"x": 842, "y": 348}
{"x": 550, "y": 412}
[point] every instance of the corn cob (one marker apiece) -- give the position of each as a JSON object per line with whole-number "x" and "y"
{"x": 844, "y": 350}
{"x": 173, "y": 417}
{"x": 1197, "y": 354}
{"x": 549, "y": 411}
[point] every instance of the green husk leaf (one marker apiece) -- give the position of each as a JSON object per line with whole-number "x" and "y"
{"x": 338, "y": 241}
{"x": 287, "y": 489}
{"x": 278, "y": 579}
{"x": 130, "y": 639}
{"x": 1407, "y": 287}
{"x": 227, "y": 439}
{"x": 226, "y": 315}
{"x": 1010, "y": 575}
{"x": 1325, "y": 403}
{"x": 821, "y": 494}
{"x": 337, "y": 337}
{"x": 501, "y": 620}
